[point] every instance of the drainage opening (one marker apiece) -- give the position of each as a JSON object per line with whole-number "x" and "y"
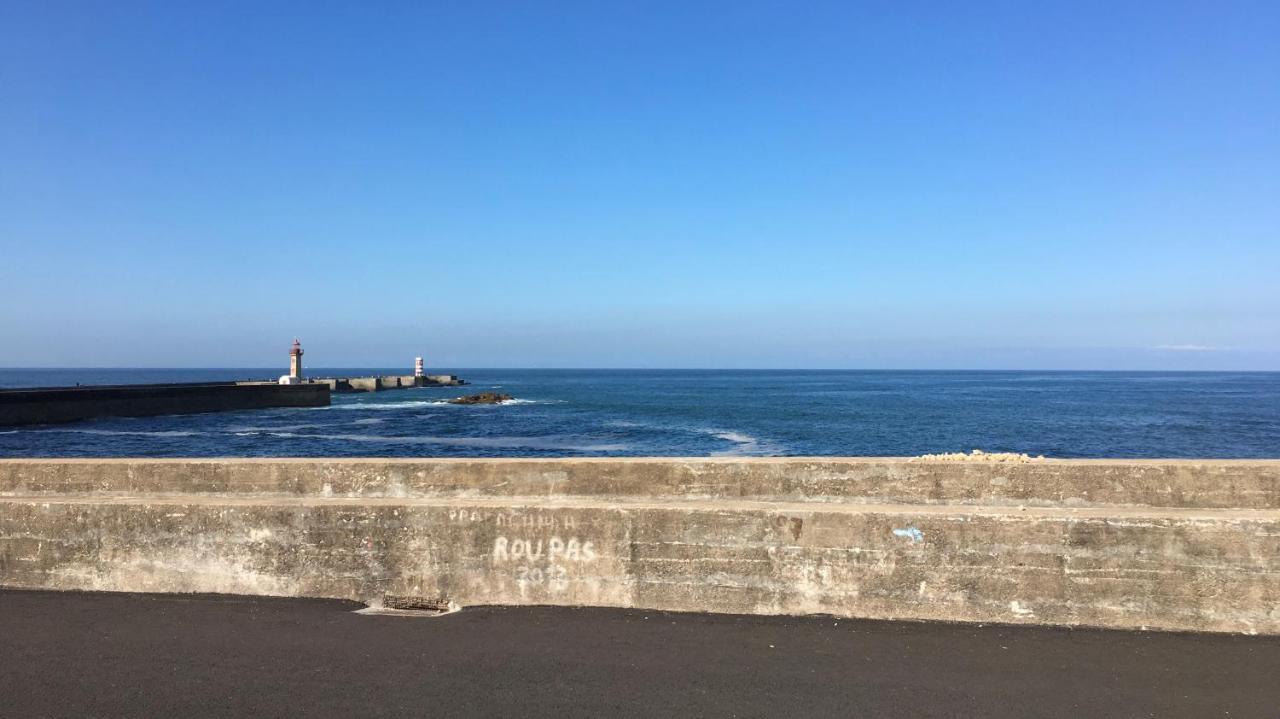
{"x": 416, "y": 604}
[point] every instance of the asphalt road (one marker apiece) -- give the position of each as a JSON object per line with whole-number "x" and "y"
{"x": 74, "y": 654}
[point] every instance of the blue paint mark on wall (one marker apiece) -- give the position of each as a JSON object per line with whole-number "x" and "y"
{"x": 915, "y": 535}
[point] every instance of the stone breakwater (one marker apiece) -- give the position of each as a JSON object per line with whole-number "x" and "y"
{"x": 1184, "y": 545}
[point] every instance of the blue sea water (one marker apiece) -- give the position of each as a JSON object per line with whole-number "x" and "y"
{"x": 559, "y": 413}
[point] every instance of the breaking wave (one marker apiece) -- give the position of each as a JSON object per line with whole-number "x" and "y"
{"x": 419, "y": 403}
{"x": 564, "y": 443}
{"x": 515, "y": 400}
{"x": 274, "y": 428}
{"x": 744, "y": 444}
{"x": 137, "y": 433}
{"x": 386, "y": 405}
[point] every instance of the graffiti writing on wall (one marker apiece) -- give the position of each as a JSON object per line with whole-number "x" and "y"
{"x": 548, "y": 522}
{"x": 532, "y": 550}
{"x": 542, "y": 561}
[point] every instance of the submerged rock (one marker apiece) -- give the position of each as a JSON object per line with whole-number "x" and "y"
{"x": 482, "y": 398}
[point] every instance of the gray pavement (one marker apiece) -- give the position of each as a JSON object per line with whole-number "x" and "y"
{"x": 78, "y": 654}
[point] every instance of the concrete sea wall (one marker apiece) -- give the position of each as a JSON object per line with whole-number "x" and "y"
{"x": 70, "y": 404}
{"x": 1190, "y": 545}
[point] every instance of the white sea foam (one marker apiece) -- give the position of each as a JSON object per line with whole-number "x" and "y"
{"x": 167, "y": 433}
{"x": 411, "y": 404}
{"x": 744, "y": 444}
{"x": 564, "y": 443}
{"x": 370, "y": 420}
{"x": 514, "y": 400}
{"x": 274, "y": 428}
{"x": 387, "y": 405}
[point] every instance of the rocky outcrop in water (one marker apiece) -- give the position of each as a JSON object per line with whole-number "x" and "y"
{"x": 482, "y": 398}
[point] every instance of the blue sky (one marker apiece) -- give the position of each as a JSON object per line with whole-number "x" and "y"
{"x": 896, "y": 184}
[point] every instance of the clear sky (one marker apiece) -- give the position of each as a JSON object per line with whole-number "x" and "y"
{"x": 641, "y": 184}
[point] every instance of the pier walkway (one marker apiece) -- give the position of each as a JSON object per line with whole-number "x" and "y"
{"x": 73, "y": 654}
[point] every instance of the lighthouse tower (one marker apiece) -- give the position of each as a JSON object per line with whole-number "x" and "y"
{"x": 295, "y": 365}
{"x": 417, "y": 367}
{"x": 295, "y": 360}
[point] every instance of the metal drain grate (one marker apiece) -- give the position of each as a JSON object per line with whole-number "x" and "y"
{"x": 425, "y": 604}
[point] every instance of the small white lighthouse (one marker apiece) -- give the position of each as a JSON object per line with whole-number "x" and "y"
{"x": 417, "y": 367}
{"x": 295, "y": 365}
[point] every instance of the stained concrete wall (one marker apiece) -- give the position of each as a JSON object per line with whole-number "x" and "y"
{"x": 376, "y": 384}
{"x": 363, "y": 384}
{"x": 1174, "y": 545}
{"x": 69, "y": 404}
{"x": 440, "y": 379}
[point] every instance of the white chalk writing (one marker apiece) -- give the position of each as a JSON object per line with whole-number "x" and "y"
{"x": 542, "y": 561}
{"x": 537, "y": 521}
{"x": 543, "y": 522}
{"x": 555, "y": 548}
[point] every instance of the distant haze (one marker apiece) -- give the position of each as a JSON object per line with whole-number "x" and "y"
{"x": 730, "y": 185}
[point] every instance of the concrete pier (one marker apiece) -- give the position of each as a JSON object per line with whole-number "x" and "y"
{"x": 386, "y": 382}
{"x": 49, "y": 405}
{"x": 70, "y": 404}
{"x": 1185, "y": 545}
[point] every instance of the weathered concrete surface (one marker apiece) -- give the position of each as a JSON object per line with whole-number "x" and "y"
{"x": 1227, "y": 484}
{"x": 1173, "y": 545}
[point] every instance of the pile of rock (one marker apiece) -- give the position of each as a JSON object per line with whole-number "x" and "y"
{"x": 483, "y": 398}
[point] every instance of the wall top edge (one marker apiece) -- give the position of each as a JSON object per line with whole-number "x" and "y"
{"x": 631, "y": 460}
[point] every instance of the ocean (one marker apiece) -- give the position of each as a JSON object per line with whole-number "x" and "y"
{"x": 569, "y": 413}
